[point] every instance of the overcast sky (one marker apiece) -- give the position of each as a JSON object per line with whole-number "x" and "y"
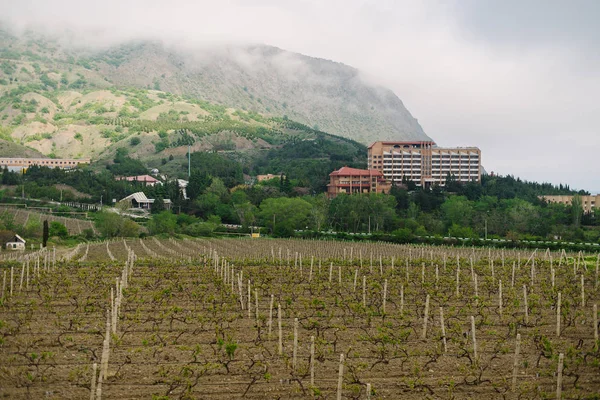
{"x": 518, "y": 78}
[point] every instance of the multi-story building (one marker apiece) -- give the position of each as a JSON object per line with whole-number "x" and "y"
{"x": 424, "y": 163}
{"x": 353, "y": 181}
{"x": 19, "y": 164}
{"x": 589, "y": 203}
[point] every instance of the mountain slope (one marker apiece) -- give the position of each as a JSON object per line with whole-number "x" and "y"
{"x": 325, "y": 95}
{"x": 328, "y": 95}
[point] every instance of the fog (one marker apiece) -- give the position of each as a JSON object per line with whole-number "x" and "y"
{"x": 519, "y": 79}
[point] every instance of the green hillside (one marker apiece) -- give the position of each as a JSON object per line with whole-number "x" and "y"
{"x": 65, "y": 109}
{"x": 263, "y": 80}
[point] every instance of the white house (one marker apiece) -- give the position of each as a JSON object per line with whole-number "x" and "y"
{"x": 139, "y": 200}
{"x": 16, "y": 243}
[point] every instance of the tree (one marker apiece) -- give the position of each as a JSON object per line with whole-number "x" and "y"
{"x": 576, "y": 210}
{"x": 461, "y": 231}
{"x": 108, "y": 224}
{"x": 457, "y": 210}
{"x": 319, "y": 211}
{"x": 58, "y": 229}
{"x": 158, "y": 205}
{"x": 198, "y": 183}
{"x": 113, "y": 225}
{"x": 291, "y": 213}
{"x": 45, "y": 234}
{"x": 164, "y": 222}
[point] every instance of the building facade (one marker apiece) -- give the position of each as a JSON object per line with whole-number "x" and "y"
{"x": 589, "y": 203}
{"x": 16, "y": 243}
{"x": 20, "y": 164}
{"x": 145, "y": 179}
{"x": 424, "y": 163}
{"x": 353, "y": 181}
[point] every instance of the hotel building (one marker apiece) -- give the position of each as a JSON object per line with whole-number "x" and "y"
{"x": 589, "y": 203}
{"x": 424, "y": 163}
{"x": 353, "y": 181}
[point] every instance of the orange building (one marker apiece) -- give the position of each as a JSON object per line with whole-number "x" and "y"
{"x": 352, "y": 181}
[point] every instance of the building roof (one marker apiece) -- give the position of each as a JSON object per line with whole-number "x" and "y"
{"x": 387, "y": 142}
{"x": 19, "y": 239}
{"x": 140, "y": 197}
{"x": 347, "y": 171}
{"x": 141, "y": 178}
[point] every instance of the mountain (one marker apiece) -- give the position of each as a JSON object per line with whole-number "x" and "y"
{"x": 327, "y": 95}
{"x": 322, "y": 94}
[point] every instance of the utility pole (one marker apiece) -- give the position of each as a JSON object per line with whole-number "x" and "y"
{"x": 189, "y": 161}
{"x": 486, "y": 228}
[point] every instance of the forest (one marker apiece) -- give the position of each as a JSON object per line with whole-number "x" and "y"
{"x": 220, "y": 191}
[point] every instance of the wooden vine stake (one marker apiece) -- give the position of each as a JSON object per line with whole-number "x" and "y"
{"x": 249, "y": 300}
{"x": 401, "y": 299}
{"x": 355, "y": 278}
{"x": 516, "y": 362}
{"x": 526, "y": 305}
{"x": 3, "y": 285}
{"x": 385, "y": 284}
{"x": 425, "y": 318}
{"x": 271, "y": 315}
{"x": 512, "y": 282}
{"x": 295, "y": 350}
{"x": 475, "y": 283}
{"x": 561, "y": 359}
{"x": 21, "y": 278}
{"x": 312, "y": 361}
{"x": 340, "y": 377}
{"x": 595, "y": 319}
{"x": 256, "y": 305}
{"x": 458, "y": 280}
{"x": 597, "y": 266}
{"x": 474, "y": 338}
{"x": 368, "y": 391}
{"x": 280, "y": 348}
{"x": 443, "y": 326}
{"x": 500, "y": 297}
{"x": 364, "y": 291}
{"x": 582, "y": 291}
{"x": 93, "y": 387}
{"x": 558, "y": 316}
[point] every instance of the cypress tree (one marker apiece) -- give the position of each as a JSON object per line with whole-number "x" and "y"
{"x": 45, "y": 234}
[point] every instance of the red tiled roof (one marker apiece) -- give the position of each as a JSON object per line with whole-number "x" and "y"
{"x": 347, "y": 171}
{"x": 141, "y": 178}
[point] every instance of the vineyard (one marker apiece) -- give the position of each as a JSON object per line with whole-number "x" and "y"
{"x": 22, "y": 216}
{"x": 274, "y": 319}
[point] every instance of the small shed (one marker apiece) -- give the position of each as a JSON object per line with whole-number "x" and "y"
{"x": 16, "y": 243}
